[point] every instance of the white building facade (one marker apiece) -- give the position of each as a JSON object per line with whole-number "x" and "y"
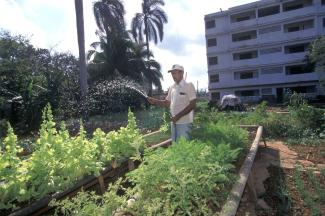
{"x": 257, "y": 50}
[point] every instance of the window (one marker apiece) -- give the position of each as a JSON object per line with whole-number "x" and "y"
{"x": 323, "y": 22}
{"x": 213, "y": 60}
{"x": 243, "y": 16}
{"x": 266, "y": 91}
{"x": 304, "y": 89}
{"x": 239, "y": 19}
{"x": 269, "y": 11}
{"x": 293, "y": 28}
{"x": 270, "y": 29}
{"x": 246, "y": 74}
{"x": 244, "y": 36}
{"x": 210, "y": 24}
{"x": 215, "y": 96}
{"x": 294, "y": 5}
{"x": 212, "y": 42}
{"x": 271, "y": 70}
{"x": 323, "y": 2}
{"x": 245, "y": 55}
{"x": 247, "y": 93}
{"x": 296, "y": 48}
{"x": 214, "y": 78}
{"x": 270, "y": 50}
{"x": 299, "y": 69}
{"x": 298, "y": 26}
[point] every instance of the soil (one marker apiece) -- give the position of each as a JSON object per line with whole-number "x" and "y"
{"x": 313, "y": 154}
{"x": 274, "y": 182}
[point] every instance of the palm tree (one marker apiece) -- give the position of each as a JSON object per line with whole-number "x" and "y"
{"x": 109, "y": 16}
{"x": 142, "y": 63}
{"x": 81, "y": 44}
{"x": 110, "y": 56}
{"x": 150, "y": 22}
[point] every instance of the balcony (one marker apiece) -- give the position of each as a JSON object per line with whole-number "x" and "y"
{"x": 243, "y": 24}
{"x": 276, "y": 36}
{"x": 279, "y": 17}
{"x": 227, "y": 80}
{"x": 293, "y": 14}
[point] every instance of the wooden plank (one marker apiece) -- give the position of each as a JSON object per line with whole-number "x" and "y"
{"x": 162, "y": 144}
{"x": 101, "y": 184}
{"x": 149, "y": 134}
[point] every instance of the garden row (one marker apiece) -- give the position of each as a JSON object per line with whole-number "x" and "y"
{"x": 303, "y": 124}
{"x": 190, "y": 177}
{"x": 60, "y": 160}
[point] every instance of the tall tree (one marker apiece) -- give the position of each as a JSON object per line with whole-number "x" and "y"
{"x": 108, "y": 57}
{"x": 81, "y": 44}
{"x": 150, "y": 22}
{"x": 316, "y": 56}
{"x": 148, "y": 69}
{"x": 109, "y": 16}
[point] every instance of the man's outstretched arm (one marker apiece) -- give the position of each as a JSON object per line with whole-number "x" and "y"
{"x": 162, "y": 103}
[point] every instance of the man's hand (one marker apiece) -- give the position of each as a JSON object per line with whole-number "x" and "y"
{"x": 151, "y": 100}
{"x": 175, "y": 118}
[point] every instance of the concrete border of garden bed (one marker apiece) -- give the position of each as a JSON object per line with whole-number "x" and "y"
{"x": 232, "y": 203}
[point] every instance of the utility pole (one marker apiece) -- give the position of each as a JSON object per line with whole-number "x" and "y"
{"x": 197, "y": 86}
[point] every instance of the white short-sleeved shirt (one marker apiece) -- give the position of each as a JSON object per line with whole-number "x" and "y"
{"x": 180, "y": 96}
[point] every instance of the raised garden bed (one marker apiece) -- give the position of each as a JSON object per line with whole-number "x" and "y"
{"x": 109, "y": 175}
{"x": 161, "y": 186}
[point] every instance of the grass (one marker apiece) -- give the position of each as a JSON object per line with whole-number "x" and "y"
{"x": 306, "y": 194}
{"x": 147, "y": 120}
{"x": 156, "y": 138}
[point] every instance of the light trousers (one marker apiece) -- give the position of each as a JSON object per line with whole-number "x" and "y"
{"x": 180, "y": 130}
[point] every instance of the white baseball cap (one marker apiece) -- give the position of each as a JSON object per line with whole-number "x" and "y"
{"x": 176, "y": 67}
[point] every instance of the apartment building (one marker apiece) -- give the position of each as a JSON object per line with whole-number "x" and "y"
{"x": 257, "y": 50}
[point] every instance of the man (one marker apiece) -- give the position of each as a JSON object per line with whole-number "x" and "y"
{"x": 181, "y": 100}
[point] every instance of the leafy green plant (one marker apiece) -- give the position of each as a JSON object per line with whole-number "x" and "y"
{"x": 86, "y": 203}
{"x": 182, "y": 179}
{"x": 127, "y": 142}
{"x": 188, "y": 178}
{"x": 13, "y": 186}
{"x": 305, "y": 194}
{"x": 221, "y": 133}
{"x": 59, "y": 160}
{"x": 165, "y": 127}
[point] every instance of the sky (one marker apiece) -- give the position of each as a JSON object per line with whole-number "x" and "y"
{"x": 51, "y": 24}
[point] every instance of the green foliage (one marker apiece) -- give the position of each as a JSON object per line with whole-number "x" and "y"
{"x": 221, "y": 133}
{"x": 303, "y": 115}
{"x": 317, "y": 55}
{"x": 188, "y": 178}
{"x": 165, "y": 127}
{"x": 304, "y": 124}
{"x": 276, "y": 125}
{"x": 127, "y": 142}
{"x": 86, "y": 203}
{"x": 59, "y": 160}
{"x": 317, "y": 52}
{"x": 30, "y": 78}
{"x": 181, "y": 179}
{"x": 3, "y": 127}
{"x": 13, "y": 181}
{"x": 305, "y": 194}
{"x": 111, "y": 97}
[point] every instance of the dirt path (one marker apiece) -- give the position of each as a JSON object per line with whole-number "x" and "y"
{"x": 276, "y": 154}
